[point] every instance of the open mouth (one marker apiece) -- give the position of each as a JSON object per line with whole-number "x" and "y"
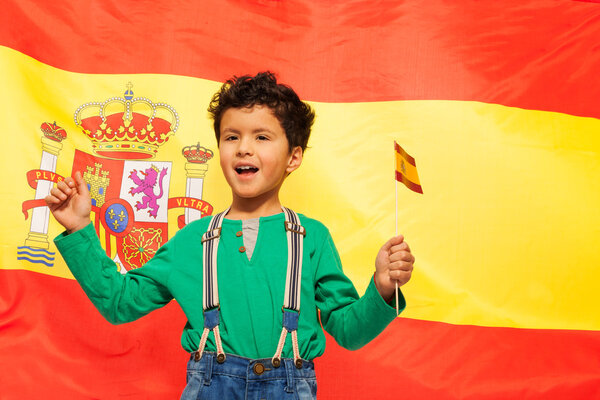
{"x": 246, "y": 170}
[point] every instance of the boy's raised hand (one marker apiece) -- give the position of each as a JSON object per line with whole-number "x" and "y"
{"x": 70, "y": 203}
{"x": 394, "y": 263}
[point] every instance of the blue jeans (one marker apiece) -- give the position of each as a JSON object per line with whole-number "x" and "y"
{"x": 243, "y": 378}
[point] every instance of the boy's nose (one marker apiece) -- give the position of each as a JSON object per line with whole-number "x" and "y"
{"x": 244, "y": 147}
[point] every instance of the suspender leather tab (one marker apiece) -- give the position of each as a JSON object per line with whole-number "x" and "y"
{"x": 292, "y": 227}
{"x": 211, "y": 234}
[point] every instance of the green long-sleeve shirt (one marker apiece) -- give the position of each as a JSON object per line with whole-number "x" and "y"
{"x": 250, "y": 291}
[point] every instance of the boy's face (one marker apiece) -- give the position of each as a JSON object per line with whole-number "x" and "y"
{"x": 254, "y": 152}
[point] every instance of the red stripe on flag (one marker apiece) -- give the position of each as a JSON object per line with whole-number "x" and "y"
{"x": 415, "y": 359}
{"x": 55, "y": 344}
{"x": 411, "y": 185}
{"x": 334, "y": 51}
{"x": 61, "y": 346}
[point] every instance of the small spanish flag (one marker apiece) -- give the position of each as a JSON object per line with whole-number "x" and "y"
{"x": 406, "y": 170}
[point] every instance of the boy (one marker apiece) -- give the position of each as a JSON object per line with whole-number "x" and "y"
{"x": 240, "y": 314}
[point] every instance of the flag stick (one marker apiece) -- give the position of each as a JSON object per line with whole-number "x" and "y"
{"x": 396, "y": 181}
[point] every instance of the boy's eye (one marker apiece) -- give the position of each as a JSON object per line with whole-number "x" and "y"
{"x": 230, "y": 138}
{"x": 262, "y": 137}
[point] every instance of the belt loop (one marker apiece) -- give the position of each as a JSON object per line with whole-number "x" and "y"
{"x": 209, "y": 367}
{"x": 289, "y": 372}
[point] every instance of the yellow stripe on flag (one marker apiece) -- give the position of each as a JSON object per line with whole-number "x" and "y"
{"x": 507, "y": 234}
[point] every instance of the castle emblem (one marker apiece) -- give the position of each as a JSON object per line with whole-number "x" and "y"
{"x": 97, "y": 181}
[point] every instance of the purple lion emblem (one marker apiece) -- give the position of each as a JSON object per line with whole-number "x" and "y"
{"x": 146, "y": 185}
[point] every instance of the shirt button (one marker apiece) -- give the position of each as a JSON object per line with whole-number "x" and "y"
{"x": 238, "y": 234}
{"x": 242, "y": 249}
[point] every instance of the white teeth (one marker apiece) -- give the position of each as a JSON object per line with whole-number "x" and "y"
{"x": 245, "y": 167}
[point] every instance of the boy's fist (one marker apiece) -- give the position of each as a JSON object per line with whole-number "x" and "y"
{"x": 394, "y": 263}
{"x": 70, "y": 203}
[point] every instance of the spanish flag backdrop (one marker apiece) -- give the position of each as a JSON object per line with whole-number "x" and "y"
{"x": 497, "y": 101}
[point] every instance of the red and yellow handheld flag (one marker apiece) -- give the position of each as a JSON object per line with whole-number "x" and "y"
{"x": 406, "y": 170}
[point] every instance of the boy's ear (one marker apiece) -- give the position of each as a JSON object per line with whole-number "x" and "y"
{"x": 295, "y": 159}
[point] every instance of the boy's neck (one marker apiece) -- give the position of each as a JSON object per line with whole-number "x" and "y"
{"x": 253, "y": 208}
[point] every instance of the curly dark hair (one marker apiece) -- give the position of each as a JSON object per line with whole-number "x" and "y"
{"x": 295, "y": 116}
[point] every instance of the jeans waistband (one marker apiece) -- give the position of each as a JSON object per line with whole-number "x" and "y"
{"x": 250, "y": 369}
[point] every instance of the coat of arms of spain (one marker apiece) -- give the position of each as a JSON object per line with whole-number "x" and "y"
{"x": 128, "y": 186}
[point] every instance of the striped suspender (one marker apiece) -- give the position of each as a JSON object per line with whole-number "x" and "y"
{"x": 291, "y": 301}
{"x": 295, "y": 234}
{"x": 210, "y": 240}
{"x": 291, "y": 304}
{"x": 210, "y": 298}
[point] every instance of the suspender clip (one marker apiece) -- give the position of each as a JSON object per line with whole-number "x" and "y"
{"x": 212, "y": 234}
{"x": 292, "y": 227}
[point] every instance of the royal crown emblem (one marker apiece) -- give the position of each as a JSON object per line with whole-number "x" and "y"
{"x": 127, "y": 128}
{"x": 53, "y": 131}
{"x": 197, "y": 154}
